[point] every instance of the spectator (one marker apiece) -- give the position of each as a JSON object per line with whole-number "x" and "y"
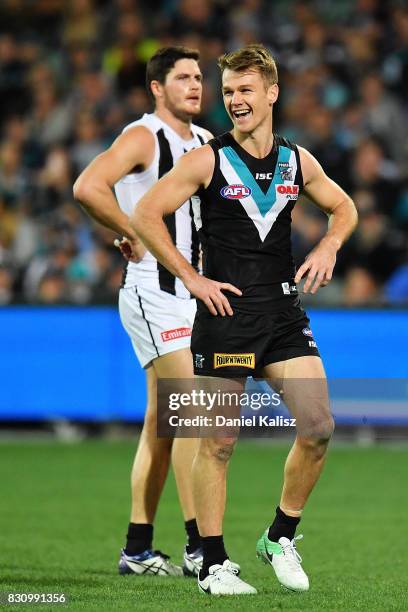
{"x": 13, "y": 91}
{"x": 52, "y": 288}
{"x": 327, "y": 148}
{"x": 383, "y": 117}
{"x": 81, "y": 23}
{"x": 375, "y": 247}
{"x": 6, "y": 285}
{"x": 360, "y": 288}
{"x": 88, "y": 141}
{"x": 49, "y": 121}
{"x": 13, "y": 179}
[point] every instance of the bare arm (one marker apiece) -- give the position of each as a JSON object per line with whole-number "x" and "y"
{"x": 330, "y": 198}
{"x": 191, "y": 171}
{"x": 93, "y": 188}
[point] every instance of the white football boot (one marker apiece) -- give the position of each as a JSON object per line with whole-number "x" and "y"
{"x": 285, "y": 560}
{"x": 223, "y": 580}
{"x": 148, "y": 563}
{"x": 193, "y": 562}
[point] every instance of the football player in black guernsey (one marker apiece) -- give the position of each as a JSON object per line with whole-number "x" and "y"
{"x": 244, "y": 185}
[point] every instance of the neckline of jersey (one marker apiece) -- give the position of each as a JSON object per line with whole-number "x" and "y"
{"x": 185, "y": 142}
{"x": 245, "y": 153}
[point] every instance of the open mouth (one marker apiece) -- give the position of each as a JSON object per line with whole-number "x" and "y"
{"x": 238, "y": 114}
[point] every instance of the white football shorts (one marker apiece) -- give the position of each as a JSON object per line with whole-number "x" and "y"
{"x": 157, "y": 322}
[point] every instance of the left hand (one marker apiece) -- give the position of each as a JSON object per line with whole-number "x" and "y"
{"x": 318, "y": 265}
{"x": 132, "y": 250}
{"x": 211, "y": 293}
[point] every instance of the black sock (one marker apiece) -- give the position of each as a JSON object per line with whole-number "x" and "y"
{"x": 139, "y": 538}
{"x": 213, "y": 552}
{"x": 283, "y": 526}
{"x": 194, "y": 540}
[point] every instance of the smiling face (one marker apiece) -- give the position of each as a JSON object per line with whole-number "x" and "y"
{"x": 248, "y": 99}
{"x": 182, "y": 89}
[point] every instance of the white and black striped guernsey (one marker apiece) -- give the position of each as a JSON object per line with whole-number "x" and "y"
{"x": 169, "y": 147}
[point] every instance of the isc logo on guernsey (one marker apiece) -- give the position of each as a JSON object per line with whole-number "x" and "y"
{"x": 235, "y": 192}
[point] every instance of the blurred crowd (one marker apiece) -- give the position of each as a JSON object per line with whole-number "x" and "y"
{"x": 72, "y": 75}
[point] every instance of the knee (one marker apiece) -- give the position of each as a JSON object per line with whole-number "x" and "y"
{"x": 323, "y": 430}
{"x": 220, "y": 449}
{"x": 149, "y": 437}
{"x": 224, "y": 450}
{"x": 318, "y": 434}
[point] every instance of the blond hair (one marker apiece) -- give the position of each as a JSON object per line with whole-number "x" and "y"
{"x": 253, "y": 56}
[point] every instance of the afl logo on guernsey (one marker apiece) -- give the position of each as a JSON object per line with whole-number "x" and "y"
{"x": 235, "y": 192}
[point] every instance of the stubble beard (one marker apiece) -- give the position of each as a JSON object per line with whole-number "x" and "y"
{"x": 180, "y": 114}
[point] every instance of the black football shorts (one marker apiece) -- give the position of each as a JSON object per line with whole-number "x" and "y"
{"x": 242, "y": 344}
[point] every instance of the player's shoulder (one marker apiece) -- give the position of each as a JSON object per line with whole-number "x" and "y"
{"x": 202, "y": 133}
{"x": 199, "y": 155}
{"x": 220, "y": 141}
{"x": 197, "y": 163}
{"x": 139, "y": 132}
{"x": 146, "y": 122}
{"x": 282, "y": 141}
{"x": 311, "y": 167}
{"x": 143, "y": 129}
{"x": 303, "y": 154}
{"x": 136, "y": 144}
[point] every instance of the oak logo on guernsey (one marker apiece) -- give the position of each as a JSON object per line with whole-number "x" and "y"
{"x": 225, "y": 360}
{"x": 290, "y": 191}
{"x": 174, "y": 334}
{"x": 235, "y": 192}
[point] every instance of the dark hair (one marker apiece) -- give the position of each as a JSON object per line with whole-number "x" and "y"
{"x": 163, "y": 61}
{"x": 252, "y": 56}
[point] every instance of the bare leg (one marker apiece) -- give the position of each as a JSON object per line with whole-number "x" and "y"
{"x": 179, "y": 365}
{"x": 151, "y": 462}
{"x": 210, "y": 474}
{"x": 184, "y": 451}
{"x": 209, "y": 483}
{"x": 304, "y": 383}
{"x": 303, "y": 467}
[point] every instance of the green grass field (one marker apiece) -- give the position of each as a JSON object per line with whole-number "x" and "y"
{"x": 64, "y": 513}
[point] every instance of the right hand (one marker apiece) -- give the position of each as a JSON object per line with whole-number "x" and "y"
{"x": 132, "y": 250}
{"x": 210, "y": 292}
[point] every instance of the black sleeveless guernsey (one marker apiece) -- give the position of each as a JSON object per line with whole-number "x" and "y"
{"x": 244, "y": 222}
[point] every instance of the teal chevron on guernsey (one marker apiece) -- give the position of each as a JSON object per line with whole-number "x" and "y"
{"x": 262, "y": 209}
{"x": 264, "y": 201}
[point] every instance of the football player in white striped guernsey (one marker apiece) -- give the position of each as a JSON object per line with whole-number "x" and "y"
{"x": 155, "y": 308}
